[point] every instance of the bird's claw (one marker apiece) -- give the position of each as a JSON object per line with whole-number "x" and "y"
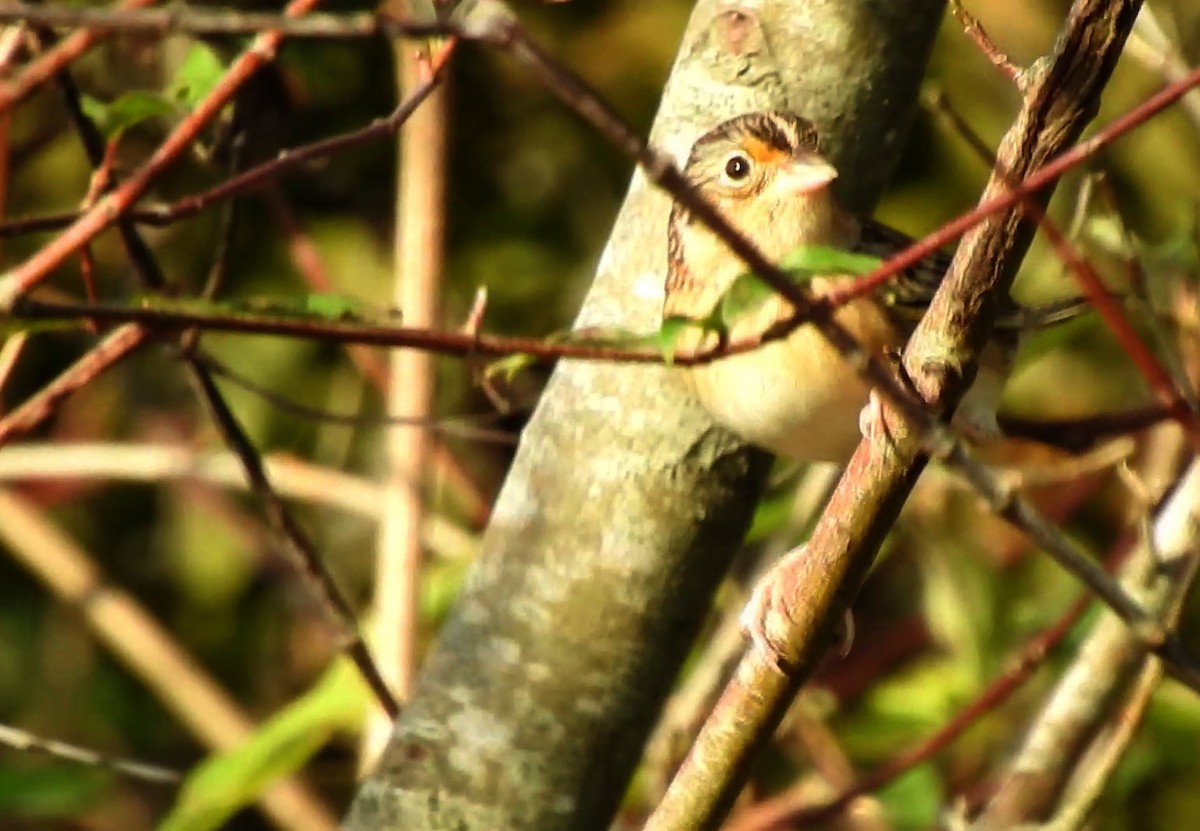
{"x": 755, "y": 621}
{"x": 767, "y": 613}
{"x": 871, "y": 423}
{"x": 845, "y": 633}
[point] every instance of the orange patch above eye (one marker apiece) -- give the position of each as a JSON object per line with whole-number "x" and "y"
{"x": 763, "y": 153}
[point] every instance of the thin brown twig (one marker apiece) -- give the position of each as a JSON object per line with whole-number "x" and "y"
{"x": 142, "y": 771}
{"x": 975, "y": 31}
{"x": 201, "y": 22}
{"x": 1070, "y": 434}
{"x": 296, "y": 543}
{"x": 110, "y": 208}
{"x": 39, "y": 71}
{"x": 417, "y": 267}
{"x": 465, "y": 427}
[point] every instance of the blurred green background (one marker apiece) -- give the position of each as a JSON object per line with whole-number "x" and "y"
{"x": 532, "y": 193}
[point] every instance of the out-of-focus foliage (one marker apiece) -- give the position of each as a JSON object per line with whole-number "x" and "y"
{"x": 532, "y": 194}
{"x": 225, "y": 783}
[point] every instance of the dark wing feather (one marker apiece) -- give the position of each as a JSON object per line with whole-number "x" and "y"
{"x": 910, "y": 291}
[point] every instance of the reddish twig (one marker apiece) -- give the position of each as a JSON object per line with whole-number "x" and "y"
{"x": 51, "y": 62}
{"x": 200, "y": 21}
{"x": 106, "y": 212}
{"x": 115, "y": 347}
{"x": 248, "y": 180}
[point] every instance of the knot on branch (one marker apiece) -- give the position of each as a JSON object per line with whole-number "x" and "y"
{"x": 736, "y": 50}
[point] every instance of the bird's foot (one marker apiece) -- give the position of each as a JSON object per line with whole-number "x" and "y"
{"x": 768, "y": 616}
{"x": 871, "y": 422}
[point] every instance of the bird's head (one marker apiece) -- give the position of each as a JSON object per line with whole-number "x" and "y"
{"x": 763, "y": 170}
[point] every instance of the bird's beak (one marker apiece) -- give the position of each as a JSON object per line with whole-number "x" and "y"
{"x": 804, "y": 174}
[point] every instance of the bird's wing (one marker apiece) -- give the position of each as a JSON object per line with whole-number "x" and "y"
{"x": 910, "y": 291}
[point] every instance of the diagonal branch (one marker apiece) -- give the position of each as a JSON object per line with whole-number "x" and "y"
{"x": 812, "y": 587}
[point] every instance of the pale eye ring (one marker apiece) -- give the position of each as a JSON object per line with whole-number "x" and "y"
{"x": 737, "y": 168}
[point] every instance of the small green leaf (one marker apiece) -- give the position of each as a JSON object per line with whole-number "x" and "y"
{"x": 331, "y": 307}
{"x": 10, "y": 326}
{"x": 668, "y": 336}
{"x": 610, "y": 337}
{"x": 227, "y": 782}
{"x": 129, "y": 110}
{"x": 95, "y": 109}
{"x": 914, "y": 799}
{"x": 199, "y": 72}
{"x": 746, "y": 296}
{"x": 749, "y": 292}
{"x": 808, "y": 261}
{"x": 509, "y": 366}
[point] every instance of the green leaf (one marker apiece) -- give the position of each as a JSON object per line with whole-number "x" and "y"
{"x": 745, "y": 297}
{"x": 749, "y": 292}
{"x": 227, "y": 782}
{"x": 335, "y": 308}
{"x": 509, "y": 366}
{"x": 14, "y": 326}
{"x": 915, "y": 799}
{"x": 199, "y": 72}
{"x": 129, "y": 110}
{"x": 808, "y": 261}
{"x": 331, "y": 307}
{"x": 668, "y": 335}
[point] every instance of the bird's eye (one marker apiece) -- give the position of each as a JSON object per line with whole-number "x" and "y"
{"x": 737, "y": 167}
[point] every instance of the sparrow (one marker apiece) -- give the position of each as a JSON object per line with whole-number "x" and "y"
{"x": 797, "y": 396}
